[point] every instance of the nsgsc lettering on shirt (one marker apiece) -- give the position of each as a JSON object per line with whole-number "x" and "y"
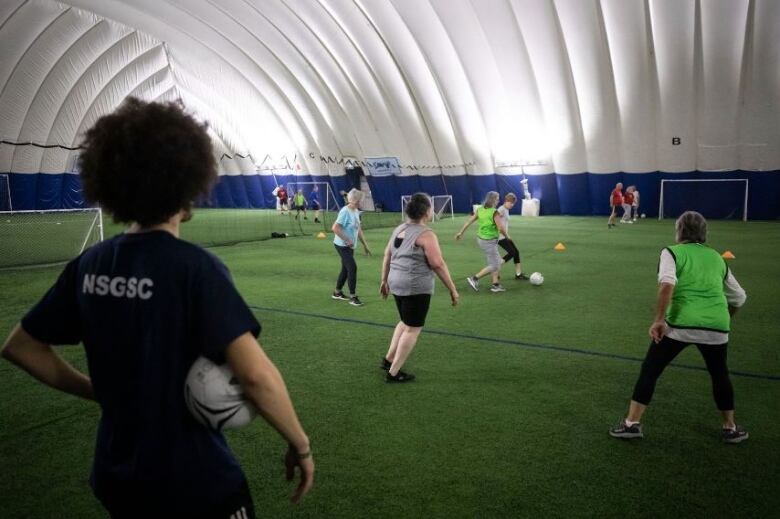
{"x": 118, "y": 286}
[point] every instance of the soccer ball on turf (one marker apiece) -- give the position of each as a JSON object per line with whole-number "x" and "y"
{"x": 536, "y": 278}
{"x": 643, "y": 215}
{"x": 215, "y": 398}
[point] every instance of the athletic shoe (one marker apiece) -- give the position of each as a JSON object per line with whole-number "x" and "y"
{"x": 354, "y": 301}
{"x": 473, "y": 283}
{"x": 521, "y": 277}
{"x": 735, "y": 435}
{"x": 305, "y": 218}
{"x": 622, "y": 430}
{"x": 497, "y": 287}
{"x": 316, "y": 220}
{"x": 385, "y": 364}
{"x": 400, "y": 377}
{"x": 339, "y": 296}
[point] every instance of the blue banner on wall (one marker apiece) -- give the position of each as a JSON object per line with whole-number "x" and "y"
{"x": 383, "y": 166}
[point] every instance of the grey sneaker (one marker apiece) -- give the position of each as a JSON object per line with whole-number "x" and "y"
{"x": 497, "y": 287}
{"x": 735, "y": 435}
{"x": 473, "y": 283}
{"x": 622, "y": 430}
{"x": 338, "y": 295}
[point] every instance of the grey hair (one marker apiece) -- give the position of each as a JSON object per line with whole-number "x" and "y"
{"x": 691, "y": 227}
{"x": 354, "y": 196}
{"x": 491, "y": 199}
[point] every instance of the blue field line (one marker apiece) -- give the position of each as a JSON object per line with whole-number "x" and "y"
{"x": 550, "y": 347}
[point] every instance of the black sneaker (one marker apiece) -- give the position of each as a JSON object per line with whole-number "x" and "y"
{"x": 735, "y": 435}
{"x": 521, "y": 276}
{"x": 316, "y": 220}
{"x": 354, "y": 301}
{"x": 339, "y": 296}
{"x": 385, "y": 364}
{"x": 400, "y": 377}
{"x": 622, "y": 430}
{"x": 497, "y": 287}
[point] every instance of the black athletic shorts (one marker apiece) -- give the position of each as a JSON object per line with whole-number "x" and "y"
{"x": 413, "y": 309}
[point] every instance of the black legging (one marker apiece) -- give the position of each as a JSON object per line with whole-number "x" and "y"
{"x": 509, "y": 247}
{"x": 348, "y": 272}
{"x": 660, "y": 355}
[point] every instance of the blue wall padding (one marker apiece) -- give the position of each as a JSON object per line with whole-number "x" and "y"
{"x": 573, "y": 194}
{"x": 406, "y": 185}
{"x": 385, "y": 192}
{"x": 339, "y": 184}
{"x": 545, "y": 188}
{"x": 49, "y": 194}
{"x": 480, "y": 185}
{"x": 72, "y": 194}
{"x": 221, "y": 195}
{"x": 237, "y": 190}
{"x": 268, "y": 184}
{"x": 601, "y": 185}
{"x": 458, "y": 187}
{"x": 578, "y": 194}
{"x": 24, "y": 191}
{"x": 254, "y": 191}
{"x": 764, "y": 200}
{"x": 432, "y": 185}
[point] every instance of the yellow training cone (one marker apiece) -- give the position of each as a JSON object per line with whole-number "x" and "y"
{"x": 728, "y": 255}
{"x": 560, "y": 246}
{"x": 321, "y": 235}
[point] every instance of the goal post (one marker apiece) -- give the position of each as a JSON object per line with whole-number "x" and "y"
{"x": 442, "y": 207}
{"x": 47, "y": 237}
{"x": 713, "y": 197}
{"x": 5, "y": 193}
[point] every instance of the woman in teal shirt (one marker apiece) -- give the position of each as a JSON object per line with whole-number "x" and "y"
{"x": 348, "y": 230}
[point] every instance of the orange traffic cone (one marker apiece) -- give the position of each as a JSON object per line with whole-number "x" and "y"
{"x": 728, "y": 255}
{"x": 560, "y": 247}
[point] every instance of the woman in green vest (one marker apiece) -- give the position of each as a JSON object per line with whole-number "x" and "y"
{"x": 490, "y": 227}
{"x": 697, "y": 296}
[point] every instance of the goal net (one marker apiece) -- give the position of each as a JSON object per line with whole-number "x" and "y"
{"x": 5, "y": 193}
{"x": 36, "y": 238}
{"x": 721, "y": 198}
{"x": 442, "y": 207}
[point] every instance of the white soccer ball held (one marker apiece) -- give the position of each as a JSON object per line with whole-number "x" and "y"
{"x": 215, "y": 398}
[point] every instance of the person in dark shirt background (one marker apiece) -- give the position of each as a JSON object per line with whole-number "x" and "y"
{"x": 146, "y": 304}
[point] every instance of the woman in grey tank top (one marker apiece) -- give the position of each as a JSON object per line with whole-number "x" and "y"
{"x": 412, "y": 257}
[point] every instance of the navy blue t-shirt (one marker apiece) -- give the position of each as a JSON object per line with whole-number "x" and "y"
{"x": 145, "y": 306}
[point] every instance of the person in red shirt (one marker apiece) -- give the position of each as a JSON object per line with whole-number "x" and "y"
{"x": 281, "y": 193}
{"x": 628, "y": 201}
{"x": 615, "y": 201}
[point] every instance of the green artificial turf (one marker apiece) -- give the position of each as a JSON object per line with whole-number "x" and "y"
{"x": 515, "y": 391}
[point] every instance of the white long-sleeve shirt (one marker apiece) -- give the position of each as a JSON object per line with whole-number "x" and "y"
{"x": 735, "y": 296}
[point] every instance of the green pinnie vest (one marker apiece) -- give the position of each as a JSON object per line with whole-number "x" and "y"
{"x": 698, "y": 300}
{"x": 487, "y": 227}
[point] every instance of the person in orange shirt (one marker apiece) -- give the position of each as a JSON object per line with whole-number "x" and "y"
{"x": 615, "y": 201}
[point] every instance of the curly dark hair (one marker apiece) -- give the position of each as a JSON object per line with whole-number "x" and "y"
{"x": 418, "y": 206}
{"x": 145, "y": 162}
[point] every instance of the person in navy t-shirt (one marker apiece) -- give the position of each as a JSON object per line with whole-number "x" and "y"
{"x": 146, "y": 304}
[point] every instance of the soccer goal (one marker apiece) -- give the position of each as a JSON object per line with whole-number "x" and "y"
{"x": 442, "y": 207}
{"x": 712, "y": 197}
{"x": 325, "y": 196}
{"x": 37, "y": 238}
{"x": 5, "y": 193}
